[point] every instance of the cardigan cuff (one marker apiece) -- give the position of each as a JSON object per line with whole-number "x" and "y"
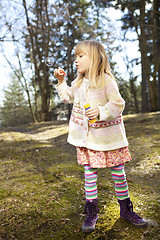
{"x": 104, "y": 114}
{"x": 61, "y": 87}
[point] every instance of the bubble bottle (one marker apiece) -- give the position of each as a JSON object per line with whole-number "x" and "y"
{"x": 87, "y": 106}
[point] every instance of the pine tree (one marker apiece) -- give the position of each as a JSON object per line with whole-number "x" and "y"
{"x": 15, "y": 110}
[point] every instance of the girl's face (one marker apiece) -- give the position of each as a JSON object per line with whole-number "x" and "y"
{"x": 83, "y": 63}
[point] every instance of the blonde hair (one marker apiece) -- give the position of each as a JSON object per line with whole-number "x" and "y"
{"x": 99, "y": 62}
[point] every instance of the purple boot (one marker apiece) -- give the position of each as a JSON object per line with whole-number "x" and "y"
{"x": 126, "y": 212}
{"x": 91, "y": 210}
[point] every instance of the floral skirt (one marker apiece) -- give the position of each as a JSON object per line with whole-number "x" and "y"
{"x": 102, "y": 159}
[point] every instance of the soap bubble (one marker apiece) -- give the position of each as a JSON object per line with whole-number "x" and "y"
{"x": 49, "y": 61}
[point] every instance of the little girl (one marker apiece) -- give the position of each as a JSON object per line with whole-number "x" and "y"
{"x": 102, "y": 143}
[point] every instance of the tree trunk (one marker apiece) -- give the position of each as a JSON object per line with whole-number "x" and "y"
{"x": 149, "y": 89}
{"x": 146, "y": 86}
{"x": 142, "y": 45}
{"x": 155, "y": 58}
{"x": 39, "y": 34}
{"x": 156, "y": 7}
{"x": 134, "y": 93}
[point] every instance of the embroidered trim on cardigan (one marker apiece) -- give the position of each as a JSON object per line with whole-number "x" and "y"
{"x": 103, "y": 124}
{"x": 77, "y": 109}
{"x": 77, "y": 114}
{"x": 77, "y": 120}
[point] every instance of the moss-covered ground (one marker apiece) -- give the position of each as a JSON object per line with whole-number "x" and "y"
{"x": 42, "y": 187}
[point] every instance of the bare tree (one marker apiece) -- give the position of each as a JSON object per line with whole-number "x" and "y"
{"x": 11, "y": 35}
{"x": 38, "y": 41}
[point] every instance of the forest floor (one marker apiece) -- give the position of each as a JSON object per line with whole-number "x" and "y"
{"x": 42, "y": 187}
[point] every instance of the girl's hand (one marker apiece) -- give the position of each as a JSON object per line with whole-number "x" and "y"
{"x": 59, "y": 74}
{"x": 92, "y": 113}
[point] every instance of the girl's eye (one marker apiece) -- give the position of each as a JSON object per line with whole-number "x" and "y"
{"x": 81, "y": 55}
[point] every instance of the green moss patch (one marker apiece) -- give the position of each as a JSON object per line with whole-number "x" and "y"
{"x": 42, "y": 187}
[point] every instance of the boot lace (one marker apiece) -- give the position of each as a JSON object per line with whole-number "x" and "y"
{"x": 130, "y": 211}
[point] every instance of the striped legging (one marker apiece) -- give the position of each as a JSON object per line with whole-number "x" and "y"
{"x": 119, "y": 177}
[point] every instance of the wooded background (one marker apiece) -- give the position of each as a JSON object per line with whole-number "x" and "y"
{"x": 41, "y": 28}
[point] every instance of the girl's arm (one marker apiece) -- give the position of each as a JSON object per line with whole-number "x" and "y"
{"x": 115, "y": 104}
{"x": 64, "y": 91}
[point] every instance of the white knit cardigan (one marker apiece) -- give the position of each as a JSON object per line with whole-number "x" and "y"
{"x": 108, "y": 132}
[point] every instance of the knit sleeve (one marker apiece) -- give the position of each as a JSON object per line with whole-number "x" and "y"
{"x": 65, "y": 92}
{"x": 115, "y": 103}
